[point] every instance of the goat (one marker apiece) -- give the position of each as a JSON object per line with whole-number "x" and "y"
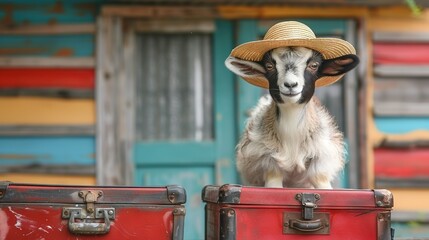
{"x": 290, "y": 139}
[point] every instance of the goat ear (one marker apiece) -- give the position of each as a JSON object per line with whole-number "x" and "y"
{"x": 339, "y": 65}
{"x": 244, "y": 68}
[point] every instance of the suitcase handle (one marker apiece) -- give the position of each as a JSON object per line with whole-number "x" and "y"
{"x": 306, "y": 225}
{"x": 89, "y": 227}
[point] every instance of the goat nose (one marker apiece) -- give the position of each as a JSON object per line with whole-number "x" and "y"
{"x": 290, "y": 85}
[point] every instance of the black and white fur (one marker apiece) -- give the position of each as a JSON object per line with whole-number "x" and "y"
{"x": 290, "y": 139}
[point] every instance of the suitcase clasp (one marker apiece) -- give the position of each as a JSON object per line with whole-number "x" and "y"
{"x": 308, "y": 201}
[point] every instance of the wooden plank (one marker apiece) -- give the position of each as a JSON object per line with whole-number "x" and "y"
{"x": 395, "y": 24}
{"x": 158, "y": 12}
{"x": 179, "y": 152}
{"x": 401, "y": 37}
{"x": 389, "y": 182}
{"x": 26, "y": 12}
{"x": 76, "y": 170}
{"x": 408, "y": 53}
{"x": 48, "y": 179}
{"x": 48, "y": 29}
{"x": 418, "y": 138}
{"x": 401, "y": 97}
{"x": 48, "y": 93}
{"x": 401, "y": 109}
{"x": 47, "y": 78}
{"x": 43, "y": 130}
{"x": 44, "y": 62}
{"x": 45, "y": 111}
{"x": 266, "y": 12}
{"x": 174, "y": 26}
{"x": 44, "y": 150}
{"x": 77, "y": 45}
{"x": 409, "y": 199}
{"x": 114, "y": 106}
{"x": 410, "y": 216}
{"x": 400, "y": 70}
{"x": 401, "y": 125}
{"x": 405, "y": 164}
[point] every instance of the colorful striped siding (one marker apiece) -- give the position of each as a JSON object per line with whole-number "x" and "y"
{"x": 46, "y": 78}
{"x": 46, "y": 107}
{"x": 44, "y": 111}
{"x": 401, "y": 125}
{"x": 47, "y": 150}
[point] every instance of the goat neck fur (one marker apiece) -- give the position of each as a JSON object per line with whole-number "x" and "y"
{"x": 290, "y": 139}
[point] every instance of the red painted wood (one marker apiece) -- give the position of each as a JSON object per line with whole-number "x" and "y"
{"x": 401, "y": 53}
{"x": 402, "y": 163}
{"x": 47, "y": 78}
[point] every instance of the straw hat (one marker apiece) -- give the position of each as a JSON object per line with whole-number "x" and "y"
{"x": 293, "y": 34}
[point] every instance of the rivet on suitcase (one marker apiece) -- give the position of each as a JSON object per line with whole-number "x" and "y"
{"x": 238, "y": 212}
{"x": 29, "y": 212}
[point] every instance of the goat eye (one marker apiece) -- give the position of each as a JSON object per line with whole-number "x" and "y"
{"x": 313, "y": 65}
{"x": 269, "y": 66}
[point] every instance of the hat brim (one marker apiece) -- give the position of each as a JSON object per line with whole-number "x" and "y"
{"x": 328, "y": 47}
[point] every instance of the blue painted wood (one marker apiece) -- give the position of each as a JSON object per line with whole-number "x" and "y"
{"x": 193, "y": 179}
{"x": 48, "y": 11}
{"x": 400, "y": 125}
{"x": 47, "y": 150}
{"x": 173, "y": 153}
{"x": 81, "y": 45}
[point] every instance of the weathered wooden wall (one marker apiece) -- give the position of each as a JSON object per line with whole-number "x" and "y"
{"x": 47, "y": 107}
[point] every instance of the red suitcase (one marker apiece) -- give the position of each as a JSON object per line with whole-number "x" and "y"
{"x": 238, "y": 212}
{"x": 49, "y": 212}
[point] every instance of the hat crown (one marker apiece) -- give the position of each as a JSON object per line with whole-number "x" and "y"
{"x": 289, "y": 30}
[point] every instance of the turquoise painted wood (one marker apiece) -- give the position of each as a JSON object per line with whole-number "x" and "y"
{"x": 247, "y": 93}
{"x": 48, "y": 11}
{"x": 47, "y": 46}
{"x": 194, "y": 164}
{"x": 184, "y": 153}
{"x": 47, "y": 150}
{"x": 193, "y": 178}
{"x": 400, "y": 125}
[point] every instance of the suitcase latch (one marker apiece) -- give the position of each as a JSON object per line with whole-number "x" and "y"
{"x": 90, "y": 197}
{"x": 306, "y": 221}
{"x": 308, "y": 202}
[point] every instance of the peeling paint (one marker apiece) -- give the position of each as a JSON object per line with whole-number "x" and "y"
{"x": 7, "y": 19}
{"x": 4, "y": 227}
{"x": 57, "y": 8}
{"x": 64, "y": 52}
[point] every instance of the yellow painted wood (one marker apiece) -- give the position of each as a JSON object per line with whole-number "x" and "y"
{"x": 47, "y": 179}
{"x": 46, "y": 111}
{"x": 410, "y": 199}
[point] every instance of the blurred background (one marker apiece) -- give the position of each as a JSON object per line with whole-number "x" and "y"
{"x": 136, "y": 93}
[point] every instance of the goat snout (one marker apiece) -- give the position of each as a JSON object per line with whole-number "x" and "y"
{"x": 291, "y": 84}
